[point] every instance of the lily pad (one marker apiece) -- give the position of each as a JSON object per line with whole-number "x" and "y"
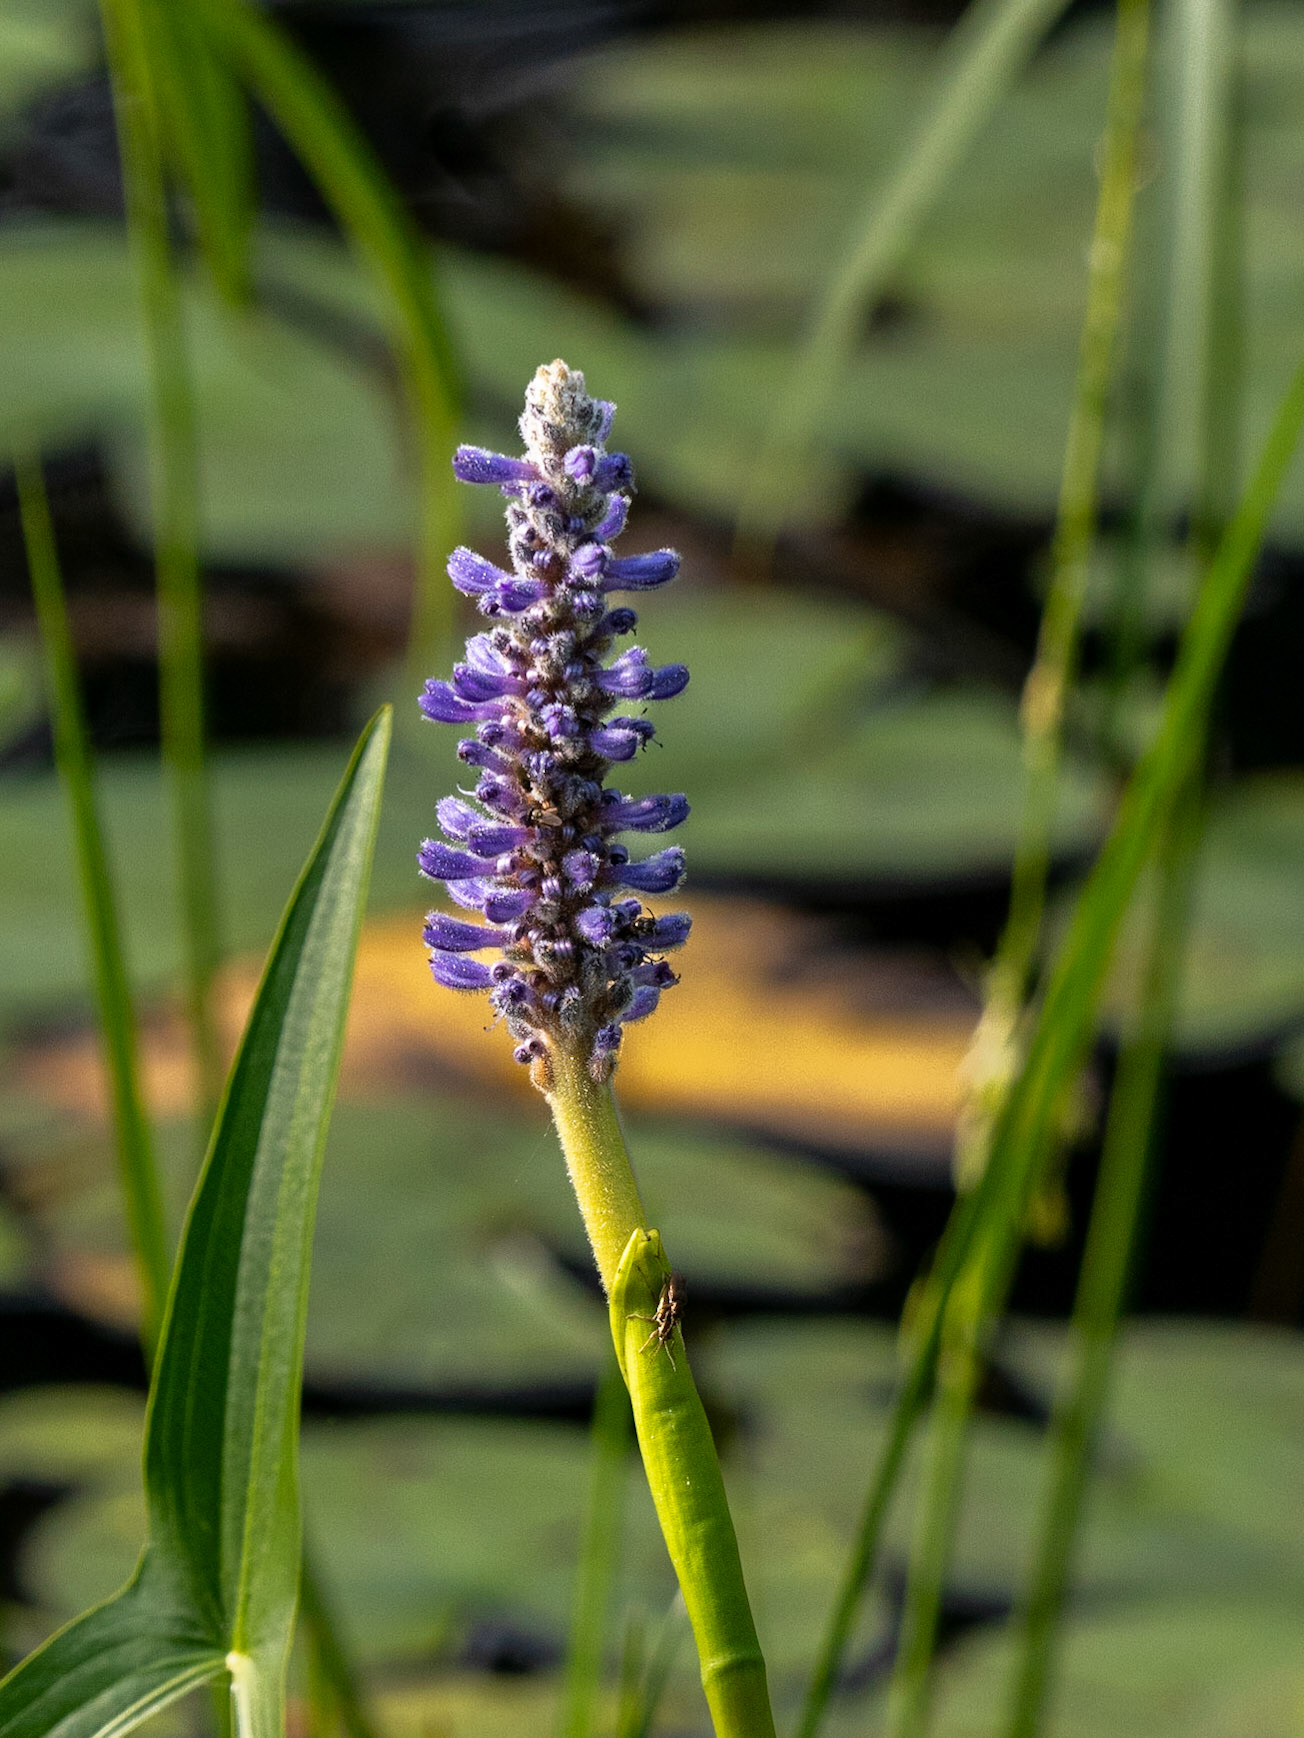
{"x": 1244, "y": 973}
{"x": 438, "y": 1222}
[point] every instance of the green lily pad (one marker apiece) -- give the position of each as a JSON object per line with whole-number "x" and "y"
{"x": 1191, "y": 1668}
{"x": 1202, "y": 1458}
{"x": 1244, "y": 974}
{"x": 43, "y": 44}
{"x": 298, "y": 447}
{"x": 922, "y": 789}
{"x": 436, "y": 1222}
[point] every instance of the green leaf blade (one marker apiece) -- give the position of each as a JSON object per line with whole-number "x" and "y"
{"x": 220, "y": 1458}
{"x": 217, "y": 1587}
{"x": 109, "y": 1669}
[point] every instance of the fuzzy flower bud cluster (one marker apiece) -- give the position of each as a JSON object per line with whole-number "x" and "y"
{"x": 536, "y": 850}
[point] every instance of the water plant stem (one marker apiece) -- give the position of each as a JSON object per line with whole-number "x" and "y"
{"x": 137, "y": 1165}
{"x": 958, "y": 1369}
{"x": 674, "y": 1437}
{"x": 1043, "y": 720}
{"x": 1107, "y": 1262}
{"x": 599, "y": 1553}
{"x": 338, "y": 157}
{"x": 174, "y": 498}
{"x": 1049, "y": 681}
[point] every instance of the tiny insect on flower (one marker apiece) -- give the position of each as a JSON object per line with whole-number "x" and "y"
{"x": 535, "y": 850}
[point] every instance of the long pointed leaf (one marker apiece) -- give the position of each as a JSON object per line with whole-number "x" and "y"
{"x": 218, "y": 1581}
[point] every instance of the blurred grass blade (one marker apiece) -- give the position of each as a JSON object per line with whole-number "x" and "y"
{"x": 333, "y": 1684}
{"x": 1043, "y": 714}
{"x": 985, "y": 53}
{"x": 1106, "y": 1266}
{"x": 218, "y": 1580}
{"x": 340, "y": 161}
{"x": 174, "y": 501}
{"x": 639, "y": 1708}
{"x": 612, "y": 1439}
{"x": 204, "y": 122}
{"x": 135, "y": 1149}
{"x": 1066, "y": 1017}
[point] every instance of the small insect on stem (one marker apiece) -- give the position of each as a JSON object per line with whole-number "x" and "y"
{"x": 670, "y": 1309}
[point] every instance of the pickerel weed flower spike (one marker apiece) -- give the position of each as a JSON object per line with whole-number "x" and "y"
{"x": 536, "y": 850}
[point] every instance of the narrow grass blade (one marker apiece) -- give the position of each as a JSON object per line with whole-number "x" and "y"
{"x": 332, "y": 1669}
{"x": 599, "y": 1554}
{"x": 137, "y": 1166}
{"x": 1067, "y": 1013}
{"x": 639, "y": 1708}
{"x": 217, "y": 1584}
{"x": 205, "y": 126}
{"x": 174, "y": 495}
{"x": 1043, "y": 712}
{"x": 1106, "y": 1268}
{"x": 985, "y": 54}
{"x": 340, "y": 161}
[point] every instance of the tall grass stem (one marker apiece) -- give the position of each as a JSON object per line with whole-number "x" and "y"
{"x": 1106, "y": 1266}
{"x": 174, "y": 492}
{"x": 341, "y": 162}
{"x": 137, "y": 1165}
{"x": 599, "y": 1553}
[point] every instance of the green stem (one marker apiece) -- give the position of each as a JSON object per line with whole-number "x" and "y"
{"x": 137, "y": 1166}
{"x": 599, "y": 1554}
{"x": 674, "y": 1437}
{"x": 174, "y": 491}
{"x": 1052, "y": 673}
{"x": 1106, "y": 1266}
{"x": 336, "y": 1683}
{"x": 337, "y": 156}
{"x": 1043, "y": 711}
{"x": 588, "y": 1126}
{"x": 958, "y": 1370}
{"x": 911, "y": 1401}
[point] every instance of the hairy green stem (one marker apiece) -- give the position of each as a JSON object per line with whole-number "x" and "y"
{"x": 1106, "y": 1266}
{"x": 137, "y": 1165}
{"x": 599, "y": 1553}
{"x": 174, "y": 494}
{"x": 674, "y": 1437}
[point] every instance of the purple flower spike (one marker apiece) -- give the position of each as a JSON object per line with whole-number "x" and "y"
{"x": 440, "y": 704}
{"x": 646, "y": 814}
{"x": 533, "y": 853}
{"x": 668, "y": 681}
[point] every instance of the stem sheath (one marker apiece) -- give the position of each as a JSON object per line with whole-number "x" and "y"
{"x": 673, "y": 1434}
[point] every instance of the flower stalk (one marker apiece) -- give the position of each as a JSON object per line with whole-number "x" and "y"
{"x": 536, "y": 853}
